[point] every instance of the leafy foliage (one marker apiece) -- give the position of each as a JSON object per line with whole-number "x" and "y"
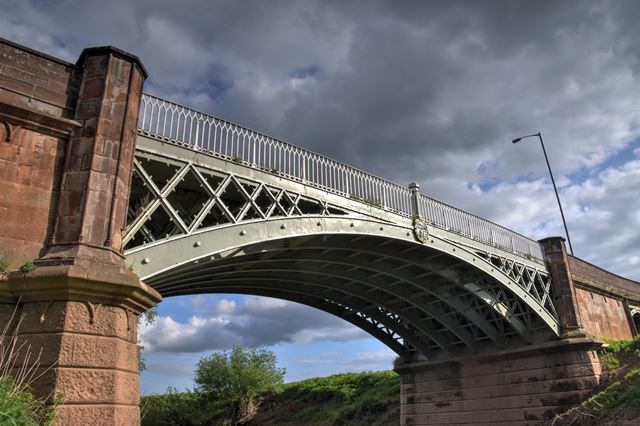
{"x": 183, "y": 409}
{"x": 148, "y": 317}
{"x": 619, "y": 393}
{"x": 616, "y": 346}
{"x": 28, "y": 266}
{"x": 4, "y": 267}
{"x": 609, "y": 361}
{"x": 238, "y": 377}
{"x": 359, "y": 399}
{"x": 20, "y": 408}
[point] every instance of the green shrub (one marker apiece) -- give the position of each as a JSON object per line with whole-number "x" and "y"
{"x": 238, "y": 377}
{"x": 18, "y": 407}
{"x": 173, "y": 408}
{"x": 28, "y": 266}
{"x": 609, "y": 361}
{"x": 4, "y": 267}
{"x": 615, "y": 346}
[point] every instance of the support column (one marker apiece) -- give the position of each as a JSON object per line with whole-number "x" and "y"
{"x": 78, "y": 329}
{"x": 564, "y": 293}
{"x": 77, "y": 311}
{"x": 518, "y": 387}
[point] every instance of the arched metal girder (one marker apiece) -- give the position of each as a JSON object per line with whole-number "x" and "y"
{"x": 406, "y": 279}
{"x": 344, "y": 293}
{"x": 162, "y": 257}
{"x": 402, "y": 287}
{"x": 393, "y": 275}
{"x": 421, "y": 313}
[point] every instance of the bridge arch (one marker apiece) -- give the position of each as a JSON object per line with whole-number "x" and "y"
{"x": 431, "y": 300}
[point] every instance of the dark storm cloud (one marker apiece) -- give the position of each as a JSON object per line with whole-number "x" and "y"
{"x": 431, "y": 91}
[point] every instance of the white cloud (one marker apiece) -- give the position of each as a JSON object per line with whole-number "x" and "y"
{"x": 601, "y": 212}
{"x": 225, "y": 307}
{"x": 257, "y": 321}
{"x": 362, "y": 361}
{"x": 336, "y": 334}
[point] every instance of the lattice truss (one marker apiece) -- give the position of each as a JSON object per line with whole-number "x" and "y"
{"x": 535, "y": 282}
{"x": 431, "y": 307}
{"x": 170, "y": 197}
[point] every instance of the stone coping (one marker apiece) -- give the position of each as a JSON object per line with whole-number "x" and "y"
{"x": 104, "y": 284}
{"x": 564, "y": 345}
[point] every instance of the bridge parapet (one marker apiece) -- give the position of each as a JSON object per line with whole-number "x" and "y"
{"x": 173, "y": 123}
{"x": 609, "y": 304}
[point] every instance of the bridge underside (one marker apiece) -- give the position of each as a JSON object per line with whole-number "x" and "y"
{"x": 422, "y": 303}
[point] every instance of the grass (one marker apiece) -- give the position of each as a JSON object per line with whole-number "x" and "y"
{"x": 618, "y": 400}
{"x": 343, "y": 399}
{"x": 174, "y": 408}
{"x": 18, "y": 370}
{"x": 616, "y": 346}
{"x": 4, "y": 267}
{"x": 618, "y": 393}
{"x": 352, "y": 398}
{"x": 20, "y": 408}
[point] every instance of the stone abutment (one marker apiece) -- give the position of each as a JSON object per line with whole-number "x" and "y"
{"x": 66, "y": 154}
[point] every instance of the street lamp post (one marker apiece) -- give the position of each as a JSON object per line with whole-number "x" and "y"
{"x": 539, "y": 135}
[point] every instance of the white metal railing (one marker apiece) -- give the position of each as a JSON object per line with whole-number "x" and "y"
{"x": 184, "y": 126}
{"x": 471, "y": 226}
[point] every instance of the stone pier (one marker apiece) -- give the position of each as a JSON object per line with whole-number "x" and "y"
{"x": 517, "y": 387}
{"x": 67, "y": 138}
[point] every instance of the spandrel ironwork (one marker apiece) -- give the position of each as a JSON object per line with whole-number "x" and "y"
{"x": 179, "y": 198}
{"x": 267, "y": 218}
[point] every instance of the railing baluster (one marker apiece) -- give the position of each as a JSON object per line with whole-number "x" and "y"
{"x": 173, "y": 122}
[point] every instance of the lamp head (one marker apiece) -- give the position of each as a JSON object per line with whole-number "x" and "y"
{"x": 516, "y": 140}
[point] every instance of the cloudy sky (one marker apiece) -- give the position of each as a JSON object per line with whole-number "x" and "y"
{"x": 426, "y": 91}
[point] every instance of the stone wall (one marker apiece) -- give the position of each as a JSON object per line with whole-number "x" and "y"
{"x": 522, "y": 387}
{"x": 587, "y": 275}
{"x": 37, "y": 101}
{"x": 602, "y": 300}
{"x": 37, "y": 81}
{"x": 603, "y": 316}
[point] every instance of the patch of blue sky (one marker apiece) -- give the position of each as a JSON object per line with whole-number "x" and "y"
{"x": 323, "y": 358}
{"x": 544, "y": 226}
{"x": 184, "y": 307}
{"x": 168, "y": 369}
{"x": 304, "y": 72}
{"x": 215, "y": 88}
{"x": 617, "y": 159}
{"x": 486, "y": 166}
{"x": 488, "y": 183}
{"x": 484, "y": 185}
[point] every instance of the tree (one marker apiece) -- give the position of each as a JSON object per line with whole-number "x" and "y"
{"x": 148, "y": 317}
{"x": 238, "y": 377}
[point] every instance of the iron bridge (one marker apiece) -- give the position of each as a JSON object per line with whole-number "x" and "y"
{"x": 218, "y": 208}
